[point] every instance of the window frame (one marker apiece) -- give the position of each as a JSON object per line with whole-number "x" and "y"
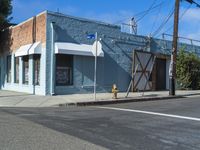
{"x": 36, "y": 73}
{"x": 65, "y": 66}
{"x": 25, "y": 59}
{"x": 8, "y": 72}
{"x": 15, "y": 70}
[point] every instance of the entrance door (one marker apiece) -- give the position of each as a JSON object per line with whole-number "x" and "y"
{"x": 160, "y": 74}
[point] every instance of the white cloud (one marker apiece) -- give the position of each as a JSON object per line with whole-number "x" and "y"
{"x": 195, "y": 35}
{"x": 193, "y": 14}
{"x": 190, "y": 23}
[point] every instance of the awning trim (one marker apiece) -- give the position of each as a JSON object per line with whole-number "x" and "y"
{"x": 29, "y": 49}
{"x": 77, "y": 49}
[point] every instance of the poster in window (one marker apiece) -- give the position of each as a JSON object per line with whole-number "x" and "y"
{"x": 17, "y": 74}
{"x": 62, "y": 75}
{"x": 26, "y": 71}
{"x": 17, "y": 70}
{"x": 37, "y": 72}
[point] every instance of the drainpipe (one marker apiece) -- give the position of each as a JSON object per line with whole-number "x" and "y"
{"x": 33, "y": 61}
{"x": 52, "y": 88}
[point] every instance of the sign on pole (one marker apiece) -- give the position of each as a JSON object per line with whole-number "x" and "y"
{"x": 94, "y": 51}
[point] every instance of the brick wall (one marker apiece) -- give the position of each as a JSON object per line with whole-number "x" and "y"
{"x": 23, "y": 33}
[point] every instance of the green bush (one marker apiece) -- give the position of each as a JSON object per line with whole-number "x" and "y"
{"x": 188, "y": 70}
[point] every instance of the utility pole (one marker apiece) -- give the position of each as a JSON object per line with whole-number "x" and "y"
{"x": 172, "y": 71}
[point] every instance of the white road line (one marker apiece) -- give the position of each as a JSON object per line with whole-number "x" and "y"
{"x": 152, "y": 113}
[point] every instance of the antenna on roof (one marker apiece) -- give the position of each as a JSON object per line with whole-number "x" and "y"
{"x": 133, "y": 26}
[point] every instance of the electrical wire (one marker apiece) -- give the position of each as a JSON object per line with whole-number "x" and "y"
{"x": 156, "y": 19}
{"x": 164, "y": 23}
{"x": 145, "y": 11}
{"x": 193, "y": 2}
{"x": 139, "y": 14}
{"x": 186, "y": 10}
{"x": 151, "y": 6}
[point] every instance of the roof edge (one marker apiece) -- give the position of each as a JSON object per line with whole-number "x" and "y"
{"x": 83, "y": 19}
{"x": 29, "y": 19}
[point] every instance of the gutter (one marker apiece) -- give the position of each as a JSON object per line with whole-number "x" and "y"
{"x": 52, "y": 73}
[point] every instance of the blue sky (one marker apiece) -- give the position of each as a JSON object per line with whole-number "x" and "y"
{"x": 116, "y": 12}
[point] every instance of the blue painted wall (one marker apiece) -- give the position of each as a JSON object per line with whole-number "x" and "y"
{"x": 114, "y": 67}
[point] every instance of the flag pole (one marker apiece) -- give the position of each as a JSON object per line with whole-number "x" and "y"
{"x": 95, "y": 65}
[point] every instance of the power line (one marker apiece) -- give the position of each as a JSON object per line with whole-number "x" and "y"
{"x": 179, "y": 18}
{"x": 164, "y": 23}
{"x": 141, "y": 13}
{"x": 155, "y": 20}
{"x": 151, "y": 6}
{"x": 193, "y": 2}
{"x": 156, "y": 6}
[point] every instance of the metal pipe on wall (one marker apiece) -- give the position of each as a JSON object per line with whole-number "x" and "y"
{"x": 52, "y": 90}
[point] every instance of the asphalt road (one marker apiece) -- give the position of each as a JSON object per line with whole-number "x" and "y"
{"x": 154, "y": 125}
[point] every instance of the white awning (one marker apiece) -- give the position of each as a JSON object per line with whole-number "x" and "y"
{"x": 29, "y": 49}
{"x": 77, "y": 49}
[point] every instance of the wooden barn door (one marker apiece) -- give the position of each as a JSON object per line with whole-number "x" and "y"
{"x": 145, "y": 61}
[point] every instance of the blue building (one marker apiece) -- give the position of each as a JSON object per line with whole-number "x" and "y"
{"x": 51, "y": 54}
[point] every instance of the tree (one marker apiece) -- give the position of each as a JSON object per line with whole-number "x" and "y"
{"x": 188, "y": 70}
{"x": 5, "y": 11}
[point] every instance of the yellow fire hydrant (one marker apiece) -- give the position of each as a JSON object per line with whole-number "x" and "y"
{"x": 114, "y": 91}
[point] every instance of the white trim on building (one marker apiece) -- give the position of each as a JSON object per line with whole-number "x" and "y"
{"x": 78, "y": 49}
{"x": 29, "y": 49}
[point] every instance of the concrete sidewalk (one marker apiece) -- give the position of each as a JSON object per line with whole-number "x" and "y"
{"x": 15, "y": 99}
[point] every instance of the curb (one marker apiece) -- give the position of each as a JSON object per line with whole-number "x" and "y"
{"x": 118, "y": 101}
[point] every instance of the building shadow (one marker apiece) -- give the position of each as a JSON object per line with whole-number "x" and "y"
{"x": 61, "y": 35}
{"x": 6, "y": 42}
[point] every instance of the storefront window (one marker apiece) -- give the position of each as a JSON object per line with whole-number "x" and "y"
{"x": 16, "y": 69}
{"x": 25, "y": 69}
{"x": 36, "y": 69}
{"x": 9, "y": 69}
{"x": 64, "y": 65}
